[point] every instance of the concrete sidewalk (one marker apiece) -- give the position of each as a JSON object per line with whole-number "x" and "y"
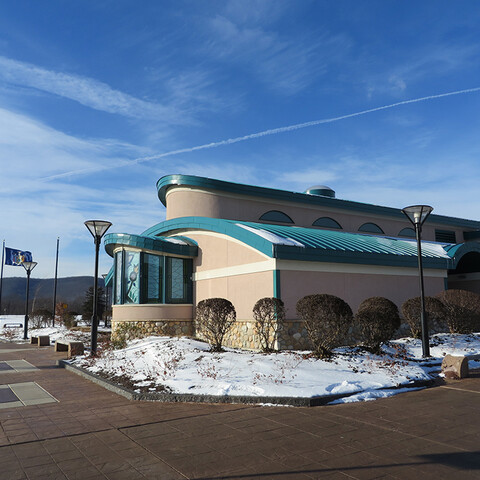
{"x": 87, "y": 432}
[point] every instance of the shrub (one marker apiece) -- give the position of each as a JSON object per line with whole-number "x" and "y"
{"x": 462, "y": 310}
{"x": 269, "y": 315}
{"x": 40, "y": 318}
{"x": 378, "y": 320}
{"x": 214, "y": 318}
{"x": 69, "y": 320}
{"x": 436, "y": 315}
{"x": 326, "y": 319}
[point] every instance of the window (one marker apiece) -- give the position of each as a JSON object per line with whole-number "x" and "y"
{"x": 118, "y": 278}
{"x": 371, "y": 228}
{"x": 326, "y": 222}
{"x": 152, "y": 278}
{"x": 276, "y": 216}
{"x": 132, "y": 274}
{"x": 445, "y": 236}
{"x": 143, "y": 278}
{"x": 179, "y": 273}
{"x": 407, "y": 232}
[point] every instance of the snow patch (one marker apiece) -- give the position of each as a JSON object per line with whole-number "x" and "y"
{"x": 272, "y": 237}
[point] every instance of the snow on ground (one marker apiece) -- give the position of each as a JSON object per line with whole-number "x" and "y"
{"x": 183, "y": 365}
{"x": 11, "y": 332}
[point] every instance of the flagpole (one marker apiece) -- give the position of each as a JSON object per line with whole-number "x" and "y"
{"x": 55, "y": 285}
{"x": 1, "y": 275}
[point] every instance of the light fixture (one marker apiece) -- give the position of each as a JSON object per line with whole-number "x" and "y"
{"x": 28, "y": 266}
{"x": 417, "y": 214}
{"x": 97, "y": 228}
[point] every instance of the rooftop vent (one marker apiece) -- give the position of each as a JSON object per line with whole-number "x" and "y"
{"x": 321, "y": 190}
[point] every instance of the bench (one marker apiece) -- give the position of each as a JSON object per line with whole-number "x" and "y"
{"x": 71, "y": 347}
{"x": 40, "y": 340}
{"x": 13, "y": 325}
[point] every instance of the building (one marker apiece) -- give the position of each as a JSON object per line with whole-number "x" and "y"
{"x": 241, "y": 242}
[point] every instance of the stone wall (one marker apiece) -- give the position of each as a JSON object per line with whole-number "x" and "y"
{"x": 292, "y": 336}
{"x": 174, "y": 328}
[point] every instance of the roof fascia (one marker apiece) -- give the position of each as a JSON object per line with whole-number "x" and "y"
{"x": 168, "y": 181}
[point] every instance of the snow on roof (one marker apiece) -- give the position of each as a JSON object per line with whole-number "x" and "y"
{"x": 272, "y": 237}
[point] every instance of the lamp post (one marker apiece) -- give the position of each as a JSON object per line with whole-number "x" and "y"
{"x": 417, "y": 214}
{"x": 28, "y": 266}
{"x": 97, "y": 228}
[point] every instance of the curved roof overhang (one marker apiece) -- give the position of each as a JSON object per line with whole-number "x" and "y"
{"x": 457, "y": 251}
{"x": 177, "y": 245}
{"x": 168, "y": 181}
{"x": 308, "y": 244}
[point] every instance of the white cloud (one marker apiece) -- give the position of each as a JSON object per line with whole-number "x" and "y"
{"x": 287, "y": 65}
{"x": 86, "y": 91}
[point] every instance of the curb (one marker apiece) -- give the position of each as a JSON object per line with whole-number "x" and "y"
{"x": 240, "y": 399}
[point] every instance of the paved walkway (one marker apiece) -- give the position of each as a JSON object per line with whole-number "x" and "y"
{"x": 86, "y": 432}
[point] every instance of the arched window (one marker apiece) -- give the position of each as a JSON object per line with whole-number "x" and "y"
{"x": 371, "y": 228}
{"x": 326, "y": 222}
{"x": 407, "y": 232}
{"x": 276, "y": 216}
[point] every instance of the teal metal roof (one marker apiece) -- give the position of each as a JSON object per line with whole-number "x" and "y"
{"x": 310, "y": 244}
{"x": 176, "y": 246}
{"x": 168, "y": 181}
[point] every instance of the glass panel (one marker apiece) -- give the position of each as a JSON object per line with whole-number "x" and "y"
{"x": 132, "y": 280}
{"x": 276, "y": 216}
{"x": 179, "y": 280}
{"x": 118, "y": 278}
{"x": 152, "y": 274}
{"x": 326, "y": 222}
{"x": 407, "y": 232}
{"x": 177, "y": 287}
{"x": 371, "y": 228}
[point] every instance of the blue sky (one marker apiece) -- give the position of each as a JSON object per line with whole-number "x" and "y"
{"x": 89, "y": 91}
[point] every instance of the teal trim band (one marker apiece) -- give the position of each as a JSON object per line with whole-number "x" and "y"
{"x": 445, "y": 283}
{"x": 277, "y": 292}
{"x": 307, "y": 244}
{"x": 456, "y": 252}
{"x": 188, "y": 248}
{"x": 273, "y": 194}
{"x": 109, "y": 276}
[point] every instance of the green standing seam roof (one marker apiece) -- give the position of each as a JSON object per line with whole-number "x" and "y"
{"x": 158, "y": 244}
{"x": 164, "y": 183}
{"x": 308, "y": 244}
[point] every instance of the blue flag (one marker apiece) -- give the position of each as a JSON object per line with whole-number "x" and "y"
{"x": 16, "y": 257}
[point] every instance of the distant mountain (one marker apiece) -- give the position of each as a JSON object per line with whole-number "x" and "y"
{"x": 70, "y": 290}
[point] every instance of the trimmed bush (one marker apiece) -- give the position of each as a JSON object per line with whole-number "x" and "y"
{"x": 269, "y": 315}
{"x": 462, "y": 310}
{"x": 378, "y": 320}
{"x": 327, "y": 319}
{"x": 214, "y": 318}
{"x": 436, "y": 315}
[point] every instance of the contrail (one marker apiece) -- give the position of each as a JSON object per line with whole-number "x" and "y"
{"x": 273, "y": 131}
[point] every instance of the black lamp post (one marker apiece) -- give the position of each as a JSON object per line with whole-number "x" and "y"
{"x": 417, "y": 214}
{"x": 97, "y": 228}
{"x": 28, "y": 266}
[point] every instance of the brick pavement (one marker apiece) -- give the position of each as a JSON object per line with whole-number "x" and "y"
{"x": 91, "y": 433}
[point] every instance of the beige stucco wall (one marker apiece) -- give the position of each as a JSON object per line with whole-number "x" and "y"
{"x": 242, "y": 290}
{"x": 355, "y": 287}
{"x": 465, "y": 281}
{"x": 217, "y": 251}
{"x": 187, "y": 201}
{"x": 149, "y": 312}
